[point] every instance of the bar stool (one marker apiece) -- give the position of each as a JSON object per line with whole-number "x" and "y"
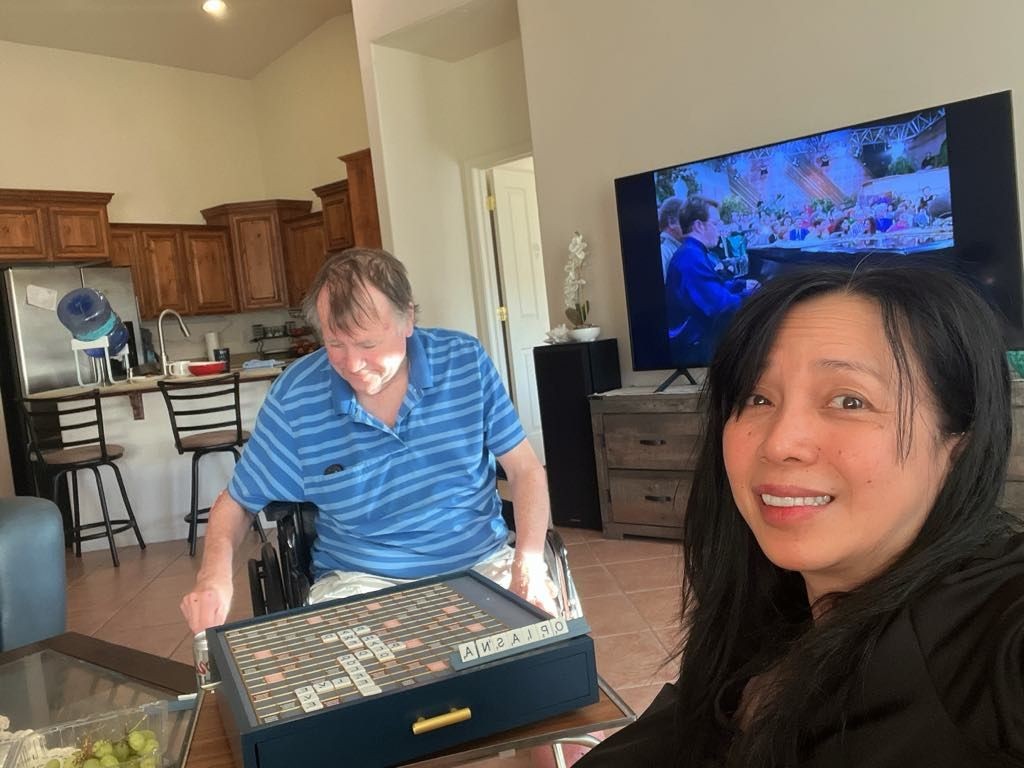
{"x": 65, "y": 440}
{"x": 206, "y": 418}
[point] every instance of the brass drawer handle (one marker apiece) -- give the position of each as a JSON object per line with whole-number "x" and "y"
{"x": 652, "y": 442}
{"x": 662, "y": 499}
{"x": 428, "y": 724}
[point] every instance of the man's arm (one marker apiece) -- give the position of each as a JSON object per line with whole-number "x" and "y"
{"x": 208, "y": 603}
{"x": 529, "y": 489}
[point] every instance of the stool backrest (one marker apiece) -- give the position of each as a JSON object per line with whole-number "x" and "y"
{"x": 60, "y": 423}
{"x": 203, "y": 406}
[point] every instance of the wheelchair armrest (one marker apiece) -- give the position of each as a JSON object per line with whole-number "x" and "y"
{"x": 278, "y": 510}
{"x": 557, "y": 557}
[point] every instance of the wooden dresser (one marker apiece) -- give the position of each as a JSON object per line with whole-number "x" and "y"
{"x": 645, "y": 446}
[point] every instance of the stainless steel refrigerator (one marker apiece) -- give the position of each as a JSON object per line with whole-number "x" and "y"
{"x": 36, "y": 347}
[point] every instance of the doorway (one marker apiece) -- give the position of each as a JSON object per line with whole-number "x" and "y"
{"x": 513, "y": 294}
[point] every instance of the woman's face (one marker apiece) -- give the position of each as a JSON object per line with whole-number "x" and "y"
{"x": 813, "y": 460}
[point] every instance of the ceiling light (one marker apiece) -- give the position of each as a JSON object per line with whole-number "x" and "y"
{"x": 215, "y": 7}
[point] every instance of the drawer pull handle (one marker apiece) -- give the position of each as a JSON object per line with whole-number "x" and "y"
{"x": 662, "y": 499}
{"x": 652, "y": 442}
{"x": 428, "y": 724}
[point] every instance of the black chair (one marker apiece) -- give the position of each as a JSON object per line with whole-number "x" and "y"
{"x": 66, "y": 435}
{"x": 206, "y": 417}
{"x": 279, "y": 582}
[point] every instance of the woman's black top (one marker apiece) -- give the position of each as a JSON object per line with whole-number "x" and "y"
{"x": 943, "y": 689}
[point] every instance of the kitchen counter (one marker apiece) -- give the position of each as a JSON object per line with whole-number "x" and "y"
{"x": 157, "y": 477}
{"x": 142, "y": 384}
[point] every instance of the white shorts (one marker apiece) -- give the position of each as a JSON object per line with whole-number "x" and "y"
{"x": 337, "y": 584}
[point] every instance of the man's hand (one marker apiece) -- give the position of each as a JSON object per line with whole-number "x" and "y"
{"x": 530, "y": 581}
{"x": 207, "y": 604}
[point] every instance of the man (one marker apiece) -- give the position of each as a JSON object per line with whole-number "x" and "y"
{"x": 699, "y": 296}
{"x": 671, "y": 234}
{"x": 390, "y": 430}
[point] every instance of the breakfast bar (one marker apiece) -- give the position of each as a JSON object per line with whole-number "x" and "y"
{"x": 157, "y": 478}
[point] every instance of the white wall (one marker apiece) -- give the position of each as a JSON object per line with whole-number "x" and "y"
{"x": 167, "y": 142}
{"x": 309, "y": 110}
{"x": 433, "y": 116}
{"x": 619, "y": 88}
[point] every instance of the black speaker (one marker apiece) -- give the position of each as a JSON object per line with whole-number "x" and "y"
{"x": 566, "y": 375}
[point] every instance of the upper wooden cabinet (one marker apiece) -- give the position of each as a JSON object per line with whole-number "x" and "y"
{"x": 362, "y": 199}
{"x": 337, "y": 215}
{"x": 181, "y": 267}
{"x": 211, "y": 277}
{"x": 257, "y": 246}
{"x": 304, "y": 251}
{"x": 51, "y": 225}
{"x": 126, "y": 251}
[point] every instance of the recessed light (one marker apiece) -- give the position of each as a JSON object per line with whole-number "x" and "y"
{"x": 215, "y": 7}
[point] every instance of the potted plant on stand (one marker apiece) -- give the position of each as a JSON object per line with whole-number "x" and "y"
{"x": 577, "y": 308}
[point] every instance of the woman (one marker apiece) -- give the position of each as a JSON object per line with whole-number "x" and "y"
{"x": 854, "y": 596}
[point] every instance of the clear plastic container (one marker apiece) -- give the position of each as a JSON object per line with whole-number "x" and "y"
{"x": 60, "y": 742}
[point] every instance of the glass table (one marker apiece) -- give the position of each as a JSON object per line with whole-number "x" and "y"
{"x": 72, "y": 677}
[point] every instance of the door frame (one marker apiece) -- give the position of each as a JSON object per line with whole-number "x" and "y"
{"x": 483, "y": 258}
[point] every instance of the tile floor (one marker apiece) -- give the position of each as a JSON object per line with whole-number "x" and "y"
{"x": 630, "y": 591}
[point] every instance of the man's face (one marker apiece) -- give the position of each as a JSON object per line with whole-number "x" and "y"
{"x": 367, "y": 357}
{"x": 708, "y": 231}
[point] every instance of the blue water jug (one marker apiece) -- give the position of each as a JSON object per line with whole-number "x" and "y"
{"x": 88, "y": 315}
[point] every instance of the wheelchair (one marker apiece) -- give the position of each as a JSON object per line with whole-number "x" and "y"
{"x": 281, "y": 579}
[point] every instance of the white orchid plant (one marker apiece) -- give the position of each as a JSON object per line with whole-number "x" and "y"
{"x": 576, "y": 307}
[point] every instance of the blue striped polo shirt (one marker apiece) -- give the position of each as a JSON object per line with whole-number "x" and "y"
{"x": 405, "y": 502}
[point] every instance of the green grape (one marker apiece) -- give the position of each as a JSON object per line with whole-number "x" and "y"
{"x": 148, "y": 762}
{"x": 148, "y": 734}
{"x": 92, "y": 762}
{"x": 122, "y": 751}
{"x": 53, "y": 763}
{"x": 151, "y": 747}
{"x": 102, "y": 747}
{"x": 136, "y": 741}
{"x": 109, "y": 761}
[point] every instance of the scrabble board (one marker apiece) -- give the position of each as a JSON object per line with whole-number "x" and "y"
{"x": 394, "y": 676}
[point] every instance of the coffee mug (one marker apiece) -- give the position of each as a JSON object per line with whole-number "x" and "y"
{"x": 179, "y": 368}
{"x": 222, "y": 353}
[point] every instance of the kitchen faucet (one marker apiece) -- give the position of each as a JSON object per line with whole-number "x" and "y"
{"x": 160, "y": 329}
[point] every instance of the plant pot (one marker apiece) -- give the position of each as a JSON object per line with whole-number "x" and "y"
{"x": 586, "y": 333}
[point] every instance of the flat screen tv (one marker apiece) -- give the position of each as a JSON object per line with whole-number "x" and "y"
{"x": 934, "y": 185}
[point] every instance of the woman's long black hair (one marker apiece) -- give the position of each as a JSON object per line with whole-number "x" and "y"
{"x": 742, "y": 615}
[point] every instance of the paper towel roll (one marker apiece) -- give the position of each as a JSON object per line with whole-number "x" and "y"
{"x": 212, "y": 342}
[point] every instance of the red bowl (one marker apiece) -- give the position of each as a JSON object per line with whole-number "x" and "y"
{"x": 206, "y": 369}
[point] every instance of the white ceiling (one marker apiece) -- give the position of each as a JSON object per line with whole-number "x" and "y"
{"x": 471, "y": 28}
{"x": 176, "y": 33}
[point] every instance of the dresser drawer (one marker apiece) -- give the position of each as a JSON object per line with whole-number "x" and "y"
{"x": 649, "y": 498}
{"x": 651, "y": 441}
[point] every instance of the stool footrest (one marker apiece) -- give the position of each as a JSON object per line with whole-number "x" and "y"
{"x": 116, "y": 527}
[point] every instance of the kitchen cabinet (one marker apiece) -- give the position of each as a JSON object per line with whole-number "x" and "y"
{"x": 186, "y": 268}
{"x": 257, "y": 247}
{"x": 362, "y": 196}
{"x": 304, "y": 253}
{"x": 163, "y": 261}
{"x": 337, "y": 215}
{"x": 53, "y": 225}
{"x": 126, "y": 251}
{"x": 211, "y": 278}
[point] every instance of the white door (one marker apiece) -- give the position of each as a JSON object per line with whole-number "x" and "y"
{"x": 521, "y": 264}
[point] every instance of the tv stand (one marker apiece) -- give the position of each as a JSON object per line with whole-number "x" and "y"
{"x": 678, "y": 372}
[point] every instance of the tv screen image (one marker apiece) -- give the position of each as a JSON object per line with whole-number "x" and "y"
{"x": 937, "y": 185}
